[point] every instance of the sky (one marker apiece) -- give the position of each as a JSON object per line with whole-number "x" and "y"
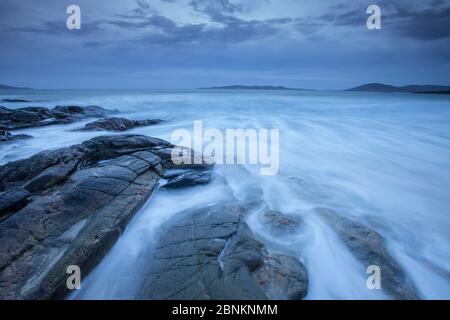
{"x": 162, "y": 44}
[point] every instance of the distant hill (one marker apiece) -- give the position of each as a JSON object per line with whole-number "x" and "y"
{"x": 239, "y": 87}
{"x": 5, "y": 87}
{"x": 380, "y": 87}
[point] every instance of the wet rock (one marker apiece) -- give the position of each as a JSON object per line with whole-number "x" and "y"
{"x": 6, "y": 136}
{"x": 11, "y": 119}
{"x": 188, "y": 179}
{"x": 210, "y": 253}
{"x": 280, "y": 224}
{"x": 12, "y": 200}
{"x": 119, "y": 124}
{"x": 282, "y": 278}
{"x": 184, "y": 158}
{"x": 68, "y": 207}
{"x": 369, "y": 248}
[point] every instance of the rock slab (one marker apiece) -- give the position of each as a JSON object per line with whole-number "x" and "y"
{"x": 68, "y": 207}
{"x": 119, "y": 124}
{"x": 210, "y": 253}
{"x": 368, "y": 247}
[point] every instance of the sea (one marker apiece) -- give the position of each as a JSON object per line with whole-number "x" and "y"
{"x": 382, "y": 159}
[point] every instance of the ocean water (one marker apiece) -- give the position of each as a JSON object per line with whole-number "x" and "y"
{"x": 383, "y": 159}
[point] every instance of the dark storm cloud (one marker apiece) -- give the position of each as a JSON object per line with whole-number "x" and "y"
{"x": 195, "y": 43}
{"x": 402, "y": 19}
{"x": 233, "y": 30}
{"x": 427, "y": 24}
{"x": 55, "y": 28}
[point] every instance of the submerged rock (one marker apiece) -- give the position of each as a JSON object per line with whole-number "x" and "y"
{"x": 368, "y": 247}
{"x": 119, "y": 124}
{"x": 210, "y": 253}
{"x": 11, "y": 119}
{"x": 279, "y": 223}
{"x": 68, "y": 207}
{"x": 6, "y": 136}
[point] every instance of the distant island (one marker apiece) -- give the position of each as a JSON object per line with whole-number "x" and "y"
{"x": 5, "y": 87}
{"x": 380, "y": 87}
{"x": 436, "y": 92}
{"x": 241, "y": 87}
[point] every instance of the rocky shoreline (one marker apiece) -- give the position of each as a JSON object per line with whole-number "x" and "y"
{"x": 69, "y": 206}
{"x": 28, "y": 117}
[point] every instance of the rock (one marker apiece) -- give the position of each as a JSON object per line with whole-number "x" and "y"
{"x": 12, "y": 201}
{"x": 188, "y": 179}
{"x": 210, "y": 253}
{"x": 83, "y": 112}
{"x": 11, "y": 119}
{"x": 119, "y": 124}
{"x": 368, "y": 247}
{"x": 280, "y": 224}
{"x": 6, "y": 136}
{"x": 68, "y": 207}
{"x": 282, "y": 278}
{"x": 184, "y": 158}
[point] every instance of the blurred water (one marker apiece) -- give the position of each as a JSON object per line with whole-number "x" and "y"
{"x": 382, "y": 158}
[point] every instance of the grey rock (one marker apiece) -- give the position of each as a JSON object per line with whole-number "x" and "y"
{"x": 282, "y": 278}
{"x": 210, "y": 253}
{"x": 6, "y": 136}
{"x": 12, "y": 200}
{"x": 11, "y": 119}
{"x": 188, "y": 179}
{"x": 119, "y": 124}
{"x": 68, "y": 207}
{"x": 279, "y": 223}
{"x": 185, "y": 159}
{"x": 369, "y": 248}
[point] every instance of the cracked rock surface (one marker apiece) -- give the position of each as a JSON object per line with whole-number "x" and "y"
{"x": 68, "y": 207}
{"x": 210, "y": 253}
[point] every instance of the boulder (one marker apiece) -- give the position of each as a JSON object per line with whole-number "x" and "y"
{"x": 210, "y": 253}
{"x": 68, "y": 207}
{"x": 368, "y": 247}
{"x": 119, "y": 124}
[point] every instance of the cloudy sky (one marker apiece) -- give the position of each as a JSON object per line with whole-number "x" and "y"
{"x": 320, "y": 44}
